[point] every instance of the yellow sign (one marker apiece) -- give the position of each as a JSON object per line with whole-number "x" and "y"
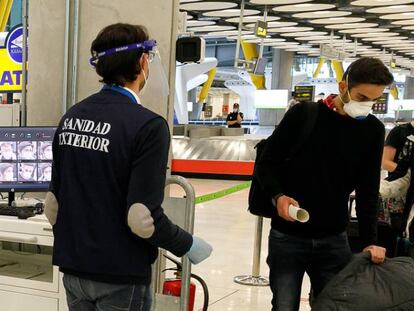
{"x": 11, "y": 74}
{"x": 261, "y": 29}
{"x": 261, "y": 32}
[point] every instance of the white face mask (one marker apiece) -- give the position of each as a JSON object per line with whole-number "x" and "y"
{"x": 357, "y": 110}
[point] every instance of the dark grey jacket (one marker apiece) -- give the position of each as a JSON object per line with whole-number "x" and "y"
{"x": 364, "y": 286}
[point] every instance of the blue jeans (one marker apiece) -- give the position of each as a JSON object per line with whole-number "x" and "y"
{"x": 86, "y": 295}
{"x": 290, "y": 257}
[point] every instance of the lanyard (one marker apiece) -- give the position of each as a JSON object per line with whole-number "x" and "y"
{"x": 119, "y": 89}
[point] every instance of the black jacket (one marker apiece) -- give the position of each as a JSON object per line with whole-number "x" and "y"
{"x": 364, "y": 286}
{"x": 340, "y": 155}
{"x": 110, "y": 153}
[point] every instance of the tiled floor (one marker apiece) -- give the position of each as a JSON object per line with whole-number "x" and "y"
{"x": 229, "y": 227}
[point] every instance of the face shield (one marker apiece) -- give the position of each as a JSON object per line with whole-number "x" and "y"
{"x": 156, "y": 82}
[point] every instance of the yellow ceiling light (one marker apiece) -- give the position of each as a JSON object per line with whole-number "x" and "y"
{"x": 321, "y": 14}
{"x": 392, "y": 9}
{"x": 375, "y": 34}
{"x": 304, "y": 33}
{"x": 252, "y": 19}
{"x": 207, "y": 6}
{"x": 337, "y": 20}
{"x": 380, "y": 2}
{"x": 303, "y": 7}
{"x": 278, "y": 2}
{"x": 363, "y": 30}
{"x": 351, "y": 26}
{"x": 289, "y": 29}
{"x": 406, "y": 15}
{"x": 211, "y": 28}
{"x": 231, "y": 13}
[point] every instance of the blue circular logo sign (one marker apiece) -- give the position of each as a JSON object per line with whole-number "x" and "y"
{"x": 14, "y": 45}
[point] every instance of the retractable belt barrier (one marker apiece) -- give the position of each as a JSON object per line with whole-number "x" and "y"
{"x": 222, "y": 193}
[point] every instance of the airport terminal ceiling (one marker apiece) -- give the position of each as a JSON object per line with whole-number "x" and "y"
{"x": 378, "y": 28}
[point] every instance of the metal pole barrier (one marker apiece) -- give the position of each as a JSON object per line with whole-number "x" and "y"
{"x": 189, "y": 227}
{"x": 255, "y": 279}
{"x": 186, "y": 221}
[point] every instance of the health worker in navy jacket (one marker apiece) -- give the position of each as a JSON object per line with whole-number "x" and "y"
{"x": 110, "y": 158}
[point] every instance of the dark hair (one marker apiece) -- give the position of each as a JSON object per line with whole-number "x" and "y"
{"x": 236, "y": 105}
{"x": 121, "y": 67}
{"x": 368, "y": 70}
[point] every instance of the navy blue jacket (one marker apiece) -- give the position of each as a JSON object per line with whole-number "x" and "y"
{"x": 110, "y": 153}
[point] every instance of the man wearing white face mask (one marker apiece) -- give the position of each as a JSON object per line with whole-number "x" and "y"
{"x": 342, "y": 153}
{"x": 108, "y": 176}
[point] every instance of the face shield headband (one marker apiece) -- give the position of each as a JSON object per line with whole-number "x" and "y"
{"x": 146, "y": 46}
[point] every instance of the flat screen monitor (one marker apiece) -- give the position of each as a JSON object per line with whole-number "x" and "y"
{"x": 25, "y": 159}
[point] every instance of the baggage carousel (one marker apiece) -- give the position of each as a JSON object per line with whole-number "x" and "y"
{"x": 230, "y": 157}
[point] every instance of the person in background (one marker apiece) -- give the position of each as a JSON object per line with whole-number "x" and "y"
{"x": 342, "y": 154}
{"x": 396, "y": 159}
{"x": 397, "y": 146}
{"x": 292, "y": 102}
{"x": 319, "y": 97}
{"x": 113, "y": 152}
{"x": 234, "y": 119}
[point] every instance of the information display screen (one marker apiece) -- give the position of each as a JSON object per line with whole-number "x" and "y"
{"x": 304, "y": 93}
{"x": 26, "y": 158}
